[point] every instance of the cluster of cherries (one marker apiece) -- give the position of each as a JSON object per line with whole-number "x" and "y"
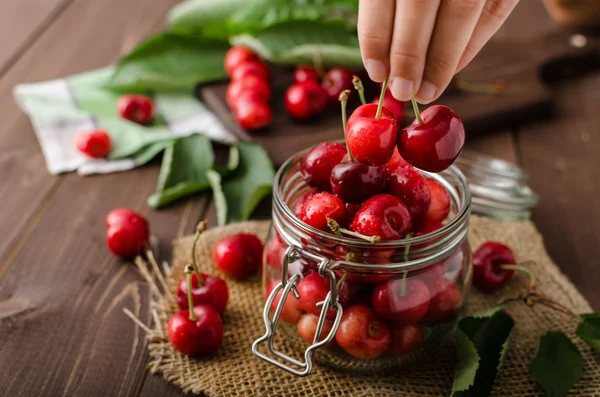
{"x": 372, "y": 190}
{"x": 97, "y": 144}
{"x": 200, "y": 331}
{"x": 249, "y": 92}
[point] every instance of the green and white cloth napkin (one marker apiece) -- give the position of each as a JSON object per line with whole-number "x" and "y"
{"x": 61, "y": 109}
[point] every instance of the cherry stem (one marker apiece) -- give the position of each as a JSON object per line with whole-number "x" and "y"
{"x": 341, "y": 281}
{"x": 485, "y": 88}
{"x": 403, "y": 285}
{"x": 407, "y": 248}
{"x": 343, "y": 98}
{"x": 336, "y": 229}
{"x": 188, "y": 274}
{"x": 381, "y": 97}
{"x": 416, "y": 110}
{"x": 199, "y": 229}
{"x": 524, "y": 269}
{"x": 358, "y": 86}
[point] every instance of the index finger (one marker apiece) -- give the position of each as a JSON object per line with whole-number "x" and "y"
{"x": 375, "y": 26}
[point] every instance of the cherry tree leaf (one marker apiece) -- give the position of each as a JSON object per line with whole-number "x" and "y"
{"x": 589, "y": 330}
{"x": 481, "y": 344}
{"x": 557, "y": 364}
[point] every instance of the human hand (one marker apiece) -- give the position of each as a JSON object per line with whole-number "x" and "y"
{"x": 421, "y": 44}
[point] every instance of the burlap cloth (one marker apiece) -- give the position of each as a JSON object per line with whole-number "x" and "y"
{"x": 234, "y": 371}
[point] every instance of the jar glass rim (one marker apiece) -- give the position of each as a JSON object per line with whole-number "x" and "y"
{"x": 463, "y": 211}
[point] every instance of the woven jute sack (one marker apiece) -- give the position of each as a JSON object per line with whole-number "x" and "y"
{"x": 234, "y": 371}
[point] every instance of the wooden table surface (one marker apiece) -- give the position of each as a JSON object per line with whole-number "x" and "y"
{"x": 73, "y": 340}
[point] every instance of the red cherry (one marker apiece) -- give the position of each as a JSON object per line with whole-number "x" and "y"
{"x": 274, "y": 253}
{"x": 306, "y": 100}
{"x": 136, "y": 108}
{"x": 255, "y": 68}
{"x": 314, "y": 289}
{"x": 355, "y": 182}
{"x": 253, "y": 115}
{"x": 291, "y": 311}
{"x": 303, "y": 198}
{"x": 427, "y": 226}
{"x": 335, "y": 81}
{"x": 361, "y": 333}
{"x": 305, "y": 73}
{"x": 127, "y": 232}
{"x": 396, "y": 161}
{"x": 383, "y": 215}
{"x": 440, "y": 202}
{"x": 320, "y": 207}
{"x": 411, "y": 187}
{"x": 351, "y": 209}
{"x": 198, "y": 336}
{"x": 406, "y": 338}
{"x": 434, "y": 144}
{"x": 392, "y": 104}
{"x": 307, "y": 328}
{"x": 213, "y": 292}
{"x": 259, "y": 87}
{"x": 445, "y": 302}
{"x": 401, "y": 301}
{"x": 487, "y": 274}
{"x": 238, "y": 255}
{"x": 95, "y": 144}
{"x": 319, "y": 161}
{"x": 237, "y": 56}
{"x": 371, "y": 140}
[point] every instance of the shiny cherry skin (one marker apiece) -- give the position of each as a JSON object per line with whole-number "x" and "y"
{"x": 396, "y": 161}
{"x": 200, "y": 337}
{"x": 306, "y": 73}
{"x": 238, "y": 255}
{"x": 445, "y": 302}
{"x": 304, "y": 101}
{"x": 440, "y": 202}
{"x": 361, "y": 333}
{"x": 127, "y": 232}
{"x": 487, "y": 274}
{"x": 303, "y": 198}
{"x": 94, "y": 144}
{"x": 371, "y": 141}
{"x": 355, "y": 182}
{"x": 406, "y": 338}
{"x": 314, "y": 289}
{"x": 335, "y": 81}
{"x": 317, "y": 164}
{"x": 383, "y": 215}
{"x": 427, "y": 226}
{"x": 291, "y": 311}
{"x": 401, "y": 305}
{"x": 307, "y": 328}
{"x": 255, "y": 68}
{"x": 236, "y": 56}
{"x": 411, "y": 187}
{"x": 213, "y": 292}
{"x": 320, "y": 207}
{"x": 434, "y": 145}
{"x": 351, "y": 209}
{"x": 392, "y": 104}
{"x": 252, "y": 114}
{"x": 261, "y": 90}
{"x": 136, "y": 108}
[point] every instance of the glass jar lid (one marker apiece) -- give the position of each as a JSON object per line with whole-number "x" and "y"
{"x": 498, "y": 188}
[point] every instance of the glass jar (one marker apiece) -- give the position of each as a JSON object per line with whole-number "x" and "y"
{"x": 410, "y": 291}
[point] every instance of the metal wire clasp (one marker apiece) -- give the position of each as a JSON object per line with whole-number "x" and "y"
{"x": 331, "y": 302}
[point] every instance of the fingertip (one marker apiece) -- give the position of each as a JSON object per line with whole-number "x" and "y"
{"x": 402, "y": 89}
{"x": 376, "y": 70}
{"x": 427, "y": 93}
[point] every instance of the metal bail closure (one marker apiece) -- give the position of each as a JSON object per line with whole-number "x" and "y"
{"x": 331, "y": 302}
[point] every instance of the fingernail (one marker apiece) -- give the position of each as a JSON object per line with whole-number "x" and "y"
{"x": 376, "y": 70}
{"x": 426, "y": 92}
{"x": 402, "y": 89}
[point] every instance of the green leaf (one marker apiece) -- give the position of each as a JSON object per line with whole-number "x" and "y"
{"x": 297, "y": 42}
{"x": 195, "y": 15}
{"x": 171, "y": 61}
{"x": 218, "y": 196}
{"x": 183, "y": 170}
{"x": 481, "y": 344}
{"x": 557, "y": 364}
{"x": 232, "y": 162}
{"x": 589, "y": 330}
{"x": 243, "y": 190}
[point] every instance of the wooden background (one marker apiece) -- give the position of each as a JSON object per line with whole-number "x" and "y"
{"x": 62, "y": 332}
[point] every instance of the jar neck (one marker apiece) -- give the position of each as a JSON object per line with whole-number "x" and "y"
{"x": 387, "y": 255}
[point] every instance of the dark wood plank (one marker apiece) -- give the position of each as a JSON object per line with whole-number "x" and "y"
{"x": 561, "y": 157}
{"x": 23, "y": 21}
